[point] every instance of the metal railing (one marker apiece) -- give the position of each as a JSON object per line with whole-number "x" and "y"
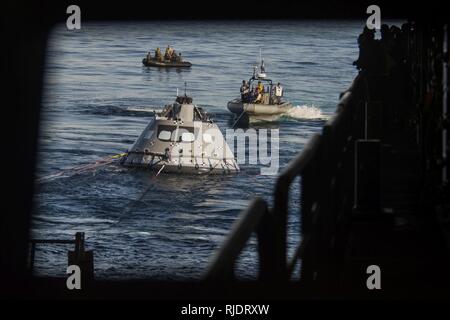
{"x": 78, "y": 256}
{"x": 252, "y": 219}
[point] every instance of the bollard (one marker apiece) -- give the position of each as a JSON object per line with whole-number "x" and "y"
{"x": 83, "y": 259}
{"x": 367, "y": 176}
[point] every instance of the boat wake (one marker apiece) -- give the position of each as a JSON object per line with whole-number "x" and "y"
{"x": 305, "y": 112}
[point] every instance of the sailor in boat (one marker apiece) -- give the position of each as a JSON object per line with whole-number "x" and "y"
{"x": 178, "y": 58}
{"x": 158, "y": 55}
{"x": 169, "y": 53}
{"x": 245, "y": 91}
{"x": 259, "y": 92}
{"x": 278, "y": 93}
{"x": 175, "y": 57}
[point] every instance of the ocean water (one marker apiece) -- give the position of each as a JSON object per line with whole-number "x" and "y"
{"x": 97, "y": 100}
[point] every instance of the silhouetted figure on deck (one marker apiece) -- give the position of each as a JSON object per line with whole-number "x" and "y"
{"x": 387, "y": 45}
{"x": 397, "y": 45}
{"x": 371, "y": 56}
{"x": 386, "y": 38}
{"x": 366, "y": 41}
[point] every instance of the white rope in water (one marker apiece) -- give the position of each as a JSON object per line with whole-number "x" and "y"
{"x": 160, "y": 170}
{"x": 99, "y": 163}
{"x": 133, "y": 203}
{"x": 237, "y": 120}
{"x": 82, "y": 168}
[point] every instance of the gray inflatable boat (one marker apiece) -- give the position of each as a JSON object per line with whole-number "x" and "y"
{"x": 266, "y": 106}
{"x": 166, "y": 63}
{"x": 258, "y": 109}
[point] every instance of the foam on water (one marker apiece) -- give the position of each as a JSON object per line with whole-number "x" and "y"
{"x": 306, "y": 112}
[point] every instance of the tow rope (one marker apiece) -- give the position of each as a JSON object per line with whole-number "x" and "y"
{"x": 83, "y": 168}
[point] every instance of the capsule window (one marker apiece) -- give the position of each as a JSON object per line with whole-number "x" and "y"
{"x": 164, "y": 135}
{"x": 187, "y": 137}
{"x": 186, "y": 134}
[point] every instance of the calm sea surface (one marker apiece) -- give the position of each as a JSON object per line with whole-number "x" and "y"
{"x": 97, "y": 100}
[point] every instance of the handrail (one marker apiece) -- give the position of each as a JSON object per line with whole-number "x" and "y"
{"x": 296, "y": 166}
{"x": 78, "y": 241}
{"x": 52, "y": 241}
{"x": 221, "y": 266}
{"x": 297, "y": 254}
